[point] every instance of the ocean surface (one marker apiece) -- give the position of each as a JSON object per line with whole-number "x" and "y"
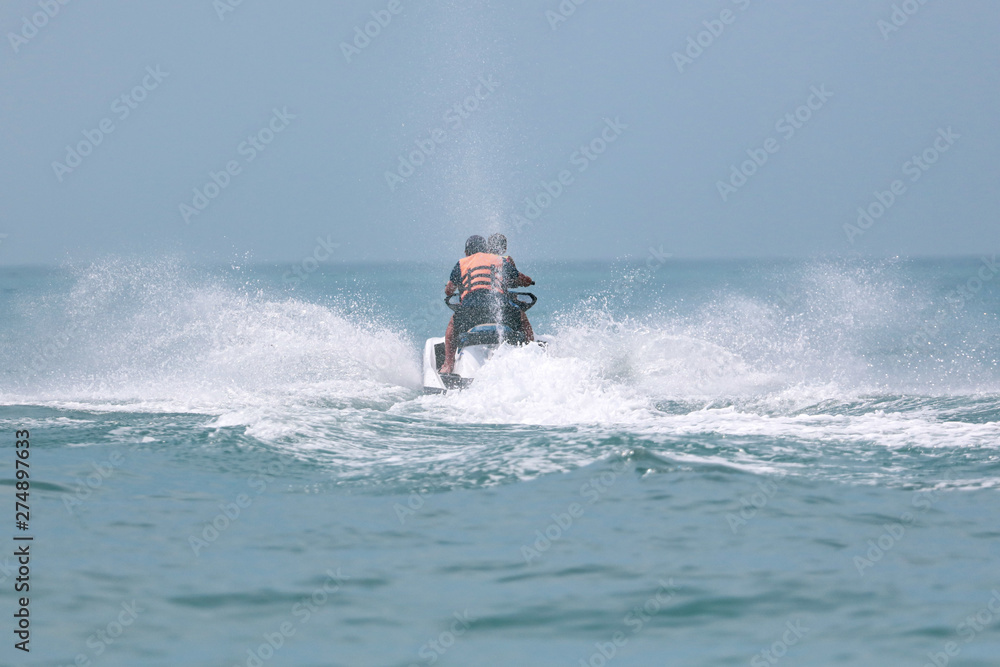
{"x": 715, "y": 463}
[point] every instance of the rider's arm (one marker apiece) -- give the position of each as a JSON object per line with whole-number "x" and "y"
{"x": 453, "y": 280}
{"x": 522, "y": 279}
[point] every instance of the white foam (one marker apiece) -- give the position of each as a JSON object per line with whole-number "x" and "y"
{"x": 321, "y": 380}
{"x": 890, "y": 430}
{"x": 146, "y": 339}
{"x": 531, "y": 386}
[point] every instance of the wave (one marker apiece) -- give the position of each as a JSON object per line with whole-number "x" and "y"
{"x": 821, "y": 367}
{"x": 159, "y": 336}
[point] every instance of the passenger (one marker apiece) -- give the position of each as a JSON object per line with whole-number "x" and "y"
{"x": 481, "y": 279}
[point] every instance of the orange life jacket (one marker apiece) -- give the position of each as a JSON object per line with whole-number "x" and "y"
{"x": 481, "y": 271}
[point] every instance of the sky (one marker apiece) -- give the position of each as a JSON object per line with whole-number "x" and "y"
{"x": 390, "y": 130}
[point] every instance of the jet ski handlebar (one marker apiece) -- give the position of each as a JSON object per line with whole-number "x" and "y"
{"x": 523, "y": 305}
{"x": 514, "y": 298}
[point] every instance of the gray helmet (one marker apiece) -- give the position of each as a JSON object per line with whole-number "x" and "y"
{"x": 474, "y": 244}
{"x": 497, "y": 244}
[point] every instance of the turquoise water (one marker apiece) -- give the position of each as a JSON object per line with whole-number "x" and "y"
{"x": 716, "y": 463}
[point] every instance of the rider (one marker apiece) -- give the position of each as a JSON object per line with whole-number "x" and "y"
{"x": 481, "y": 279}
{"x": 497, "y": 243}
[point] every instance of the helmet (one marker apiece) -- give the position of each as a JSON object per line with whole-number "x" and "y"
{"x": 474, "y": 244}
{"x": 497, "y": 244}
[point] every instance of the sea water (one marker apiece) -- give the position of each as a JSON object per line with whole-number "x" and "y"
{"x": 714, "y": 463}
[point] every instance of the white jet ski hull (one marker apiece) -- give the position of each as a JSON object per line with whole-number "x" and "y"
{"x": 468, "y": 361}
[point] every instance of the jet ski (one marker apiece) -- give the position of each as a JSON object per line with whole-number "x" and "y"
{"x": 474, "y": 349}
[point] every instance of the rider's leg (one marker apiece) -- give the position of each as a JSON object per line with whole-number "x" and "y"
{"x": 449, "y": 347}
{"x": 529, "y": 334}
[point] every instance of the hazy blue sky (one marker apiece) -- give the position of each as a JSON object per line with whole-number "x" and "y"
{"x": 344, "y": 120}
